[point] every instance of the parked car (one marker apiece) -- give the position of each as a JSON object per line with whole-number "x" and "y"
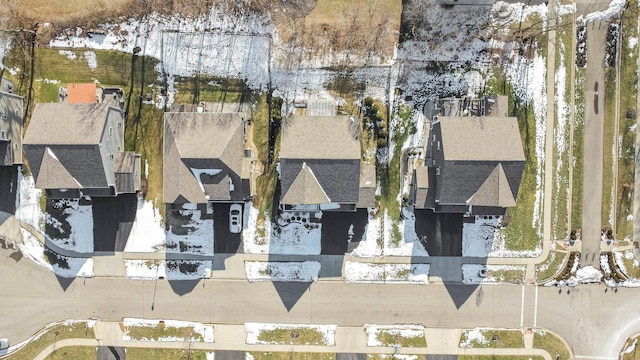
{"x": 4, "y": 344}
{"x": 235, "y": 218}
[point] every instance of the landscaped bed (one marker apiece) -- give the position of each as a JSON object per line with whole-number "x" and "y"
{"x": 165, "y": 330}
{"x": 487, "y": 338}
{"x": 395, "y": 336}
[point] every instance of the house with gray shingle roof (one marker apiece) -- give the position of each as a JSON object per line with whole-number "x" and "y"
{"x": 204, "y": 157}
{"x": 77, "y": 150}
{"x": 320, "y": 165}
{"x": 11, "y": 122}
{"x": 475, "y": 166}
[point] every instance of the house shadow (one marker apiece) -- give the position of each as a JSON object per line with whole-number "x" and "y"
{"x": 441, "y": 236}
{"x": 64, "y": 282}
{"x": 183, "y": 287}
{"x": 290, "y": 292}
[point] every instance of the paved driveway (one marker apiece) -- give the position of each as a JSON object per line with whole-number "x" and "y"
{"x": 335, "y": 230}
{"x": 443, "y": 232}
{"x": 112, "y": 221}
{"x": 225, "y": 242}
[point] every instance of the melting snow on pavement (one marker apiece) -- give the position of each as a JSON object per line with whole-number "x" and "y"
{"x": 205, "y": 331}
{"x": 306, "y": 271}
{"x": 168, "y": 269}
{"x": 198, "y": 239}
{"x": 28, "y": 203}
{"x": 147, "y": 233}
{"x": 357, "y": 272}
{"x": 77, "y": 218}
{"x": 255, "y": 329}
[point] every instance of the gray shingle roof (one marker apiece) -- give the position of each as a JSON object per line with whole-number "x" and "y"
{"x": 340, "y": 179}
{"x": 66, "y": 124}
{"x": 305, "y": 189}
{"x": 202, "y": 141}
{"x": 83, "y": 163}
{"x": 320, "y": 137}
{"x": 367, "y": 190}
{"x": 11, "y": 122}
{"x": 481, "y": 138}
{"x": 495, "y": 191}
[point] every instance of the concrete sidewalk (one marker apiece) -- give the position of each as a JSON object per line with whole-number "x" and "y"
{"x": 347, "y": 340}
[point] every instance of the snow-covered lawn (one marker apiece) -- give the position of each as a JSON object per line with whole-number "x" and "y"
{"x": 69, "y": 214}
{"x": 167, "y": 330}
{"x": 394, "y": 335}
{"x": 147, "y": 233}
{"x": 493, "y": 274}
{"x": 255, "y": 330}
{"x": 409, "y": 245}
{"x": 28, "y": 202}
{"x": 198, "y": 238}
{"x": 168, "y": 269}
{"x": 368, "y": 245}
{"x": 358, "y": 272}
{"x": 293, "y": 238}
{"x": 63, "y": 266}
{"x": 306, "y": 271}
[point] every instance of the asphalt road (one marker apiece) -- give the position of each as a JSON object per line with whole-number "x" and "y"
{"x": 595, "y": 322}
{"x": 593, "y": 143}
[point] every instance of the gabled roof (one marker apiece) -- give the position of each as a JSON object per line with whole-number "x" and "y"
{"x": 53, "y": 175}
{"x": 67, "y": 124}
{"x": 495, "y": 191}
{"x": 320, "y": 137}
{"x": 481, "y": 138}
{"x": 305, "y": 189}
{"x": 197, "y": 145}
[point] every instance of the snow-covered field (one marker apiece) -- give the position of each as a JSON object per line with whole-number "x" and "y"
{"x": 255, "y": 329}
{"x": 198, "y": 240}
{"x": 400, "y": 331}
{"x": 294, "y": 238}
{"x": 358, "y": 272}
{"x": 147, "y": 233}
{"x": 306, "y": 271}
{"x": 79, "y": 218}
{"x": 168, "y": 269}
{"x": 205, "y": 331}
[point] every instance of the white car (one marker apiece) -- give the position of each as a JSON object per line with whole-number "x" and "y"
{"x": 235, "y": 218}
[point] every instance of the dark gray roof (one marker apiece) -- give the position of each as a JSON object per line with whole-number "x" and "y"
{"x": 82, "y": 162}
{"x": 460, "y": 180}
{"x": 127, "y": 172}
{"x": 340, "y": 179}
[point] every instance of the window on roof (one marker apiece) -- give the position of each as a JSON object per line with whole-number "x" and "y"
{"x": 438, "y": 145}
{"x": 110, "y": 156}
{"x": 119, "y": 124}
{"x": 3, "y": 116}
{"x": 437, "y": 171}
{"x": 117, "y": 148}
{"x": 110, "y": 131}
{"x": 3, "y": 134}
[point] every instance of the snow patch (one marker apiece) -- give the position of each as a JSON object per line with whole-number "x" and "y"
{"x": 615, "y": 7}
{"x": 306, "y": 271}
{"x": 168, "y": 269}
{"x": 147, "y": 233}
{"x": 357, "y": 272}
{"x": 90, "y": 56}
{"x": 400, "y": 331}
{"x": 67, "y": 267}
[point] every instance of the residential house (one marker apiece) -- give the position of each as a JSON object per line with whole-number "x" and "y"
{"x": 320, "y": 165}
{"x": 77, "y": 150}
{"x": 205, "y": 160}
{"x": 474, "y": 166}
{"x": 11, "y": 123}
